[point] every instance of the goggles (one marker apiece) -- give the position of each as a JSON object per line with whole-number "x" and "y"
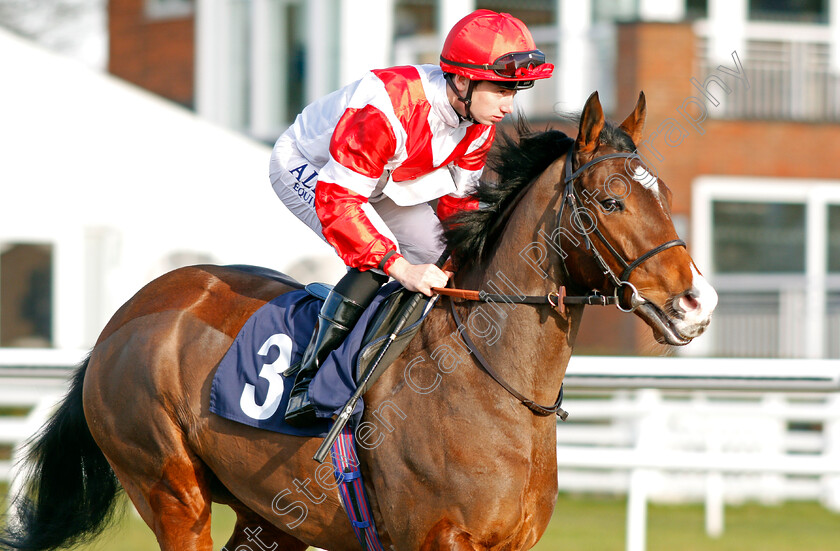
{"x": 509, "y": 66}
{"x": 517, "y": 64}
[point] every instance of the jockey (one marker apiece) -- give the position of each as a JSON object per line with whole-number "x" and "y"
{"x": 360, "y": 166}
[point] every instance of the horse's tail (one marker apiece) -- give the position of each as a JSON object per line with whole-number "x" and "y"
{"x": 70, "y": 491}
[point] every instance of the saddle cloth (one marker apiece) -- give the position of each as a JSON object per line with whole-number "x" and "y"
{"x": 250, "y": 386}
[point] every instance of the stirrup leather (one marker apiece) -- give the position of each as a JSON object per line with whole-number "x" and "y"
{"x": 337, "y": 317}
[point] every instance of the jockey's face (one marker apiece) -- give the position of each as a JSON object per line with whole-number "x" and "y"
{"x": 490, "y": 102}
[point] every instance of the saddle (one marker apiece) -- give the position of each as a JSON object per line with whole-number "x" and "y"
{"x": 380, "y": 328}
{"x": 275, "y": 336}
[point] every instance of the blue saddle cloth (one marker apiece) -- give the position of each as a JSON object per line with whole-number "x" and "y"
{"x": 249, "y": 385}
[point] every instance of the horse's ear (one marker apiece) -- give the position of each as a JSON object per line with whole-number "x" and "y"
{"x": 634, "y": 124}
{"x": 591, "y": 124}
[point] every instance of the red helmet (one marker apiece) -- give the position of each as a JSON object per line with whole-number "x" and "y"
{"x": 486, "y": 45}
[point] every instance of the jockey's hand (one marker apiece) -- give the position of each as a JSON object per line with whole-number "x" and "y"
{"x": 418, "y": 277}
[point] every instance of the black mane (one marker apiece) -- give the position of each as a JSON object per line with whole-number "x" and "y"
{"x": 517, "y": 161}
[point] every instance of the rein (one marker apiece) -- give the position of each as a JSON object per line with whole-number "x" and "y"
{"x": 530, "y": 404}
{"x": 558, "y": 299}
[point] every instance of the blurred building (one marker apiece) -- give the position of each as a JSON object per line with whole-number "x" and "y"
{"x": 104, "y": 186}
{"x": 743, "y": 120}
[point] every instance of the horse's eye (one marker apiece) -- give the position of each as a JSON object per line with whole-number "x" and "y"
{"x": 612, "y": 204}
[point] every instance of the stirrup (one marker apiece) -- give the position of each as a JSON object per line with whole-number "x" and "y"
{"x": 336, "y": 319}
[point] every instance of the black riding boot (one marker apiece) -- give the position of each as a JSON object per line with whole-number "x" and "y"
{"x": 341, "y": 310}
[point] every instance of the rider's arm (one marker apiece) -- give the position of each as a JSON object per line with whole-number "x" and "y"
{"x": 348, "y": 229}
{"x": 466, "y": 171}
{"x": 361, "y": 145}
{"x": 450, "y": 204}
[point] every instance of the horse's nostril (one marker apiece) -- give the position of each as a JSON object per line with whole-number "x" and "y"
{"x": 688, "y": 303}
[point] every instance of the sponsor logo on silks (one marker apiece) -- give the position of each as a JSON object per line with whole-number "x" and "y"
{"x": 305, "y": 188}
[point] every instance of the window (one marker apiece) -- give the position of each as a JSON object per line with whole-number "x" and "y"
{"x": 265, "y": 78}
{"x": 615, "y": 10}
{"x": 759, "y": 265}
{"x": 165, "y": 9}
{"x": 26, "y": 310}
{"x": 802, "y": 11}
{"x": 833, "y": 238}
{"x": 413, "y": 17}
{"x": 758, "y": 237}
{"x": 533, "y": 12}
{"x": 771, "y": 249}
{"x": 696, "y": 9}
{"x": 296, "y": 68}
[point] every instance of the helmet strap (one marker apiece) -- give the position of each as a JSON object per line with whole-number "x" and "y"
{"x": 466, "y": 99}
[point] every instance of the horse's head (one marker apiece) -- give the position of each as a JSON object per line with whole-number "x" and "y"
{"x": 620, "y": 238}
{"x": 588, "y": 213}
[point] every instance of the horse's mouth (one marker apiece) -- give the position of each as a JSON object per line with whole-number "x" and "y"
{"x": 664, "y": 329}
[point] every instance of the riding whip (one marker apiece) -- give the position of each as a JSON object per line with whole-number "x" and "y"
{"x": 348, "y": 408}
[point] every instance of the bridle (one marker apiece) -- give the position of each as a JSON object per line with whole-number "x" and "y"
{"x": 558, "y": 299}
{"x": 571, "y": 197}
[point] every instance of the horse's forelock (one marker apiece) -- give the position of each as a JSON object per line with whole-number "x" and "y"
{"x": 615, "y": 136}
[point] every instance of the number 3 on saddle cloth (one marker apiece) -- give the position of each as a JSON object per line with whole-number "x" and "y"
{"x": 251, "y": 386}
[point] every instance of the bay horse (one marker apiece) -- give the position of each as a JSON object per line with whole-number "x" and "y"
{"x": 459, "y": 463}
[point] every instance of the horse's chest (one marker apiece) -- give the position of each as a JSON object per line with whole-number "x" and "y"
{"x": 495, "y": 484}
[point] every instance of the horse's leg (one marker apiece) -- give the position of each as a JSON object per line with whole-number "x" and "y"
{"x": 180, "y": 502}
{"x": 254, "y": 532}
{"x": 146, "y": 445}
{"x": 174, "y": 500}
{"x": 147, "y": 394}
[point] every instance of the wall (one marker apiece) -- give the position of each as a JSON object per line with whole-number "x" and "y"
{"x": 155, "y": 53}
{"x": 660, "y": 59}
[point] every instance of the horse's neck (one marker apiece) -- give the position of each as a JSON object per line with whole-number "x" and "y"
{"x": 530, "y": 344}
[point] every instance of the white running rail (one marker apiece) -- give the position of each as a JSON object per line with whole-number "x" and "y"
{"x": 654, "y": 428}
{"x": 691, "y": 429}
{"x": 32, "y": 382}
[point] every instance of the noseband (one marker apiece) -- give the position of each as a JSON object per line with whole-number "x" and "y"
{"x": 571, "y": 197}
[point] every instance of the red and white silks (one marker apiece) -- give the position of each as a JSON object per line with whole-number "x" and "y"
{"x": 360, "y": 165}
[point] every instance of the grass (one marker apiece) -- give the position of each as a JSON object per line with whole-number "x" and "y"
{"x": 599, "y": 523}
{"x": 132, "y": 534}
{"x": 589, "y": 523}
